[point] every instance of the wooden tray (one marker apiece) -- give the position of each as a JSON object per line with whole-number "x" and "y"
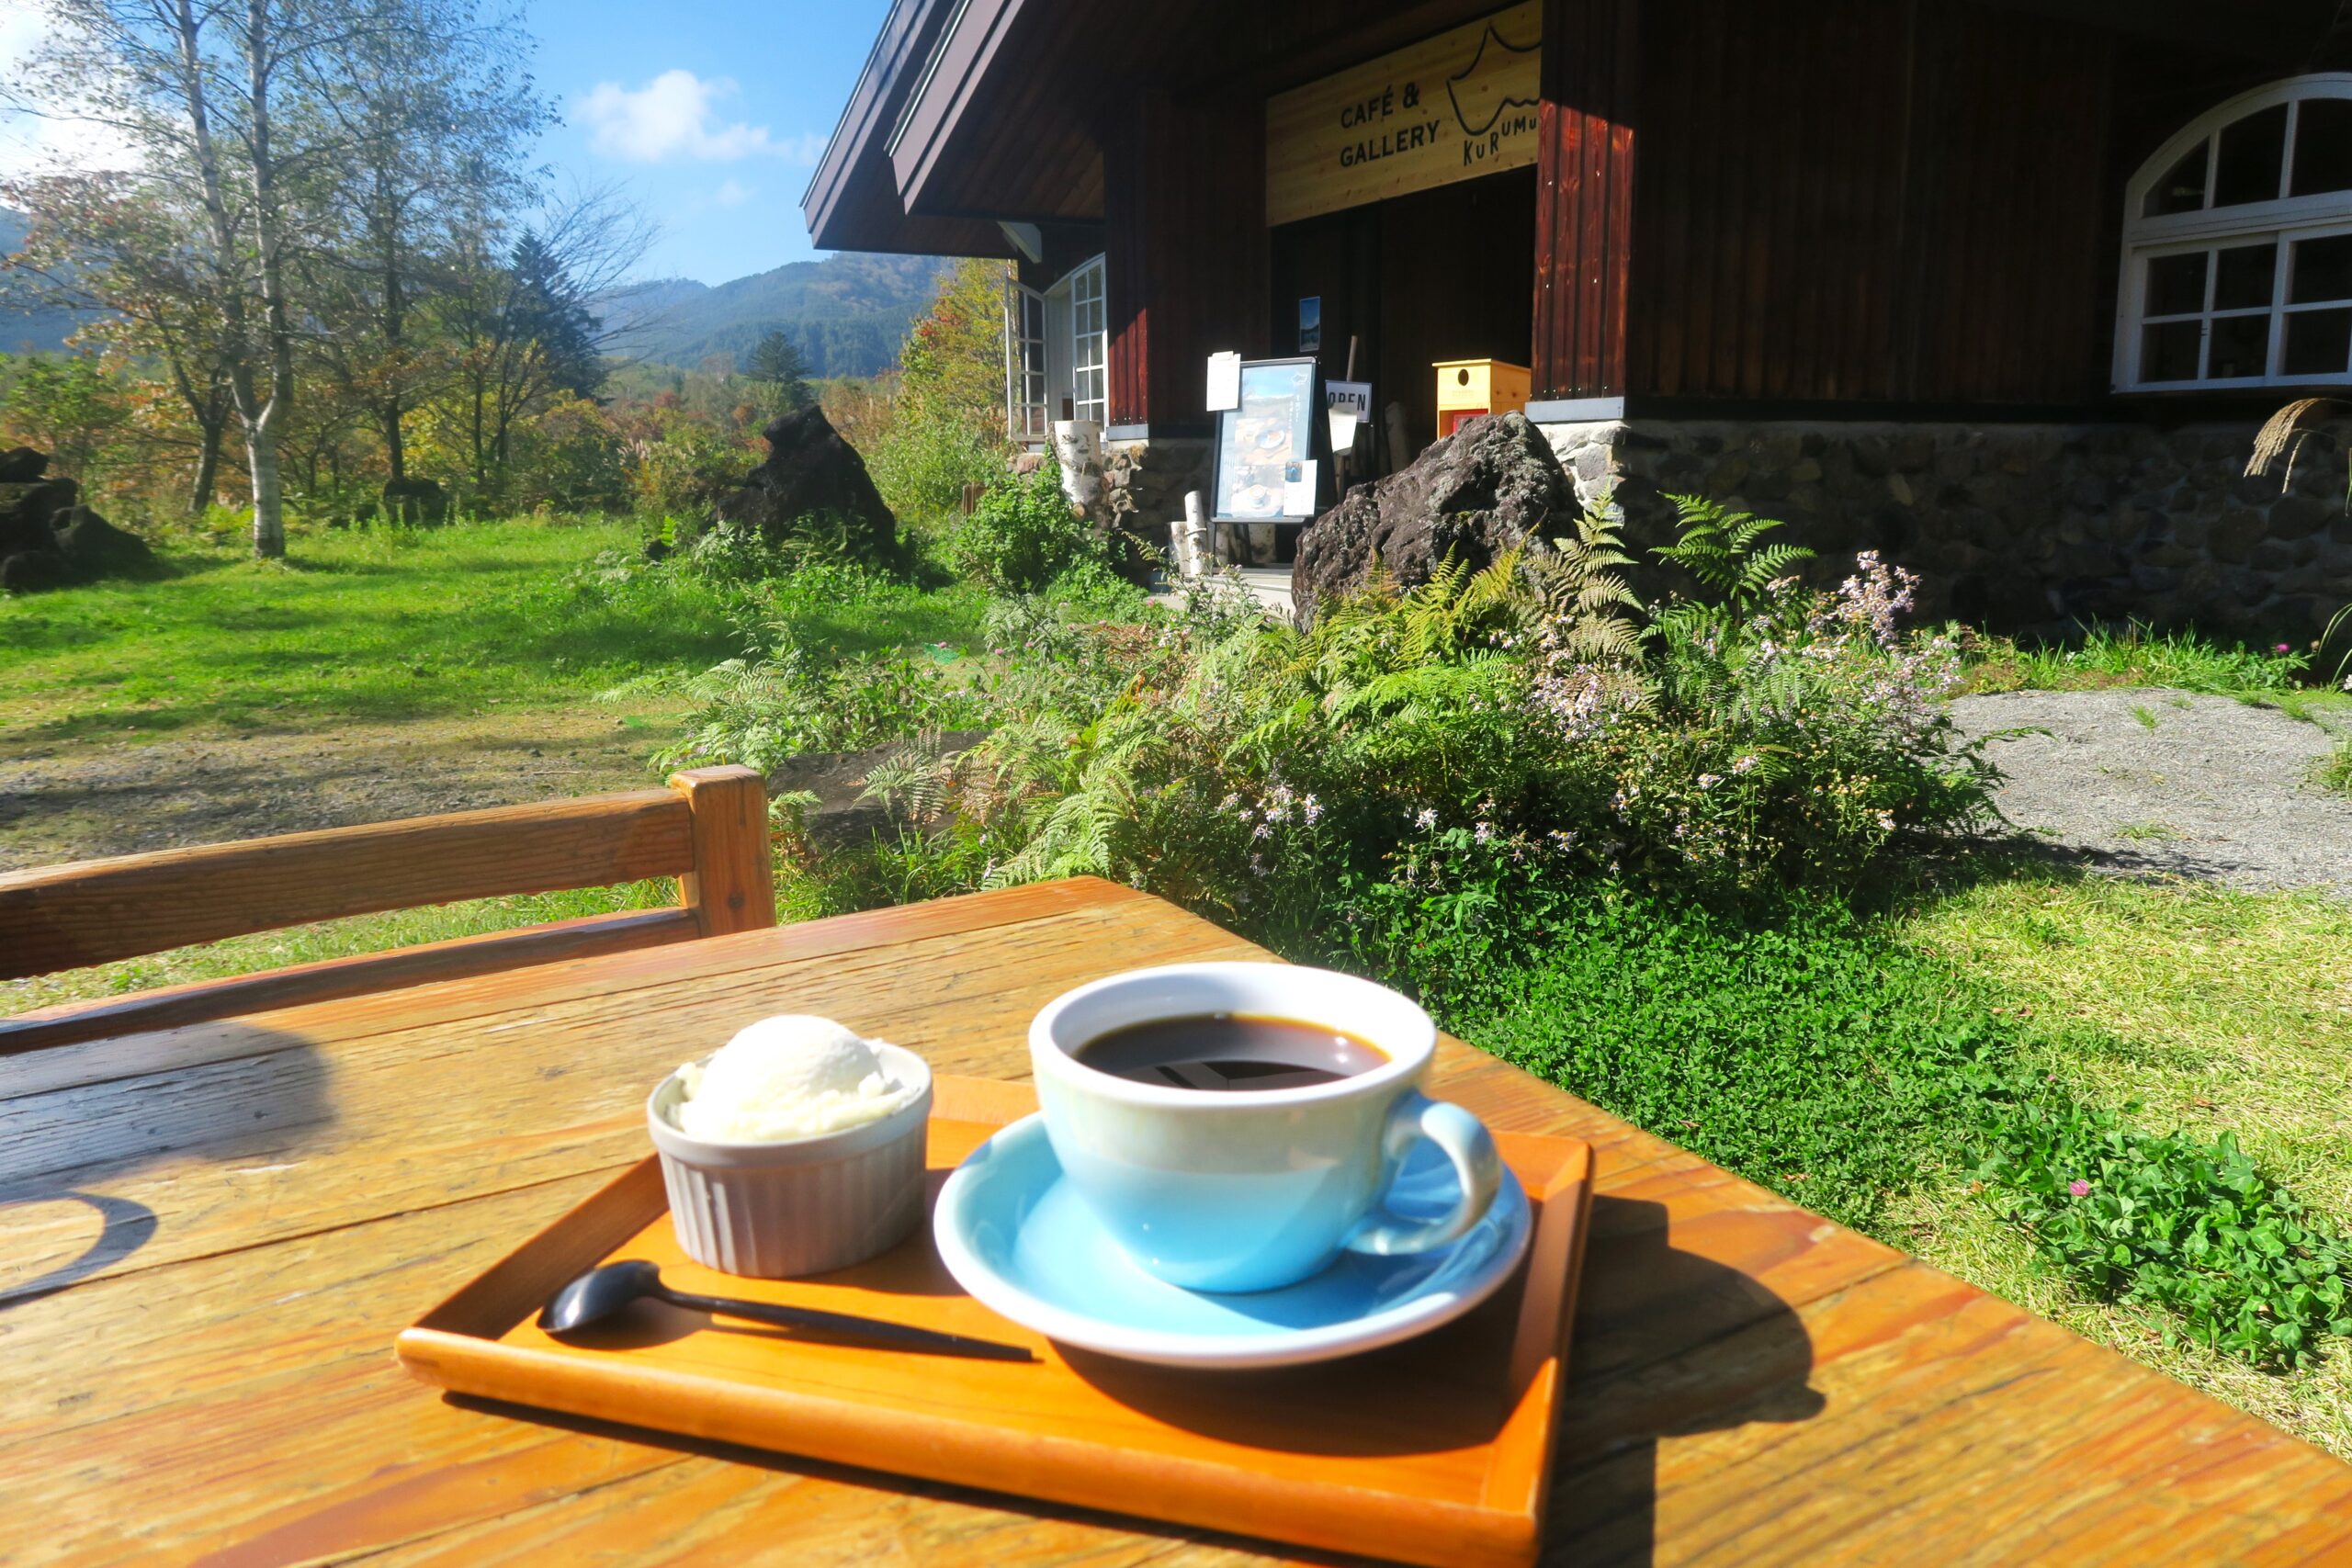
{"x": 1434, "y": 1451}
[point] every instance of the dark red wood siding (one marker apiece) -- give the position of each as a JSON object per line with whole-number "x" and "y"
{"x": 1184, "y": 214}
{"x": 1584, "y": 196}
{"x": 1863, "y": 200}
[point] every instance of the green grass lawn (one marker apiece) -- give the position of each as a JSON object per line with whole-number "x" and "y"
{"x": 383, "y": 625}
{"x": 2208, "y": 1011}
{"x": 372, "y": 626}
{"x": 1824, "y": 1053}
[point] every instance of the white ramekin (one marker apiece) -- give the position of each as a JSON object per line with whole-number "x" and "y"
{"x": 776, "y": 1211}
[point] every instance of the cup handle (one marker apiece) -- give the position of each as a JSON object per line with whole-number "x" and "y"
{"x": 1464, "y": 1140}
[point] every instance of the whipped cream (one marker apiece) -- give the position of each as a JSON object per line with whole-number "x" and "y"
{"x": 792, "y": 1077}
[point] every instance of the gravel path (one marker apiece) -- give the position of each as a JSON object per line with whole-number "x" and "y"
{"x": 2215, "y": 790}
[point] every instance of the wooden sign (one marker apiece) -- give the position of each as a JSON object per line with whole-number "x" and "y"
{"x": 1451, "y": 107}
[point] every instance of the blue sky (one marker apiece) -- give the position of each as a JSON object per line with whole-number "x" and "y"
{"x": 711, "y": 112}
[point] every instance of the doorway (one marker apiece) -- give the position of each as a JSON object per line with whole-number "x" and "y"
{"x": 1443, "y": 274}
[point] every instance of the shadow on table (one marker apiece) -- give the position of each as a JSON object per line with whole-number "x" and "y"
{"x": 1667, "y": 1344}
{"x": 263, "y": 1094}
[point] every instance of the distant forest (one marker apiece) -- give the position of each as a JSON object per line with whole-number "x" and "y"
{"x": 846, "y": 314}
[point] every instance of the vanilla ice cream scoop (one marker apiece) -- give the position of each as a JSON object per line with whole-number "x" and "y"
{"x": 793, "y": 1076}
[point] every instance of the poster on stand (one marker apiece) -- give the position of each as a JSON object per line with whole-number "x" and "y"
{"x": 1268, "y": 447}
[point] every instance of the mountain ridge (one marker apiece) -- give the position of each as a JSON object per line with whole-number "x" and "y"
{"x": 846, "y": 313}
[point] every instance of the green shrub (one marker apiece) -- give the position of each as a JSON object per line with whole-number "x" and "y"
{"x": 921, "y": 464}
{"x": 2334, "y": 770}
{"x": 2175, "y": 1221}
{"x": 1024, "y": 536}
{"x": 797, "y": 699}
{"x": 683, "y": 472}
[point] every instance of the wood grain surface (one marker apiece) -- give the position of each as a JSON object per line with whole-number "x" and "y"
{"x": 214, "y": 1232}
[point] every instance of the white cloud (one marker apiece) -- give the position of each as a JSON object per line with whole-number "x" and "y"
{"x": 673, "y": 116}
{"x": 733, "y": 193}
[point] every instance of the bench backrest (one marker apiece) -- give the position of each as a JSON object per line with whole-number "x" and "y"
{"x": 709, "y": 829}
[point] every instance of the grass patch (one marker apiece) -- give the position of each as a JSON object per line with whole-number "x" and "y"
{"x": 2213, "y": 1011}
{"x": 1843, "y": 1060}
{"x": 1810, "y": 1052}
{"x": 2136, "y": 655}
{"x": 371, "y": 625}
{"x": 2334, "y": 770}
{"x": 2171, "y": 1008}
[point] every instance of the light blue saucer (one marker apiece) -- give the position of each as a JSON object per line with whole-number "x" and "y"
{"x": 1019, "y": 1238}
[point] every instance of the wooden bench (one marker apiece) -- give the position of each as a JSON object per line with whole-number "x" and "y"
{"x": 709, "y": 829}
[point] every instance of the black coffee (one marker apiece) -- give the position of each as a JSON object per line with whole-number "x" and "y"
{"x": 1225, "y": 1050}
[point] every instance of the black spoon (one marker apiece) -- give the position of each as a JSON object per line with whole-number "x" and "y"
{"x": 606, "y": 1289}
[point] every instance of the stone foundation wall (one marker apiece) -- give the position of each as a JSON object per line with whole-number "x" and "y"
{"x": 1145, "y": 480}
{"x": 2013, "y": 527}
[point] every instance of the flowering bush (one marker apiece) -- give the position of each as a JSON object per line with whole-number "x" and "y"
{"x": 1446, "y": 750}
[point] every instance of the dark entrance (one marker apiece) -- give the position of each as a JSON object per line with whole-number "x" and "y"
{"x": 1443, "y": 273}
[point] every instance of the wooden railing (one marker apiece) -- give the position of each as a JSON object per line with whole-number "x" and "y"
{"x": 709, "y": 829}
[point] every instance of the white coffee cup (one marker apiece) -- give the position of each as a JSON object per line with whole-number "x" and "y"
{"x": 1251, "y": 1190}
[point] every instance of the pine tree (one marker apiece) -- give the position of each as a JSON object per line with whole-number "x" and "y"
{"x": 550, "y": 314}
{"x": 775, "y": 363}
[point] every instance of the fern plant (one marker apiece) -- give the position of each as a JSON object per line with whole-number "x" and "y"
{"x": 1726, "y": 552}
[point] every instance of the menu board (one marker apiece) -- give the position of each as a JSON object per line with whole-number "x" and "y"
{"x": 1266, "y": 449}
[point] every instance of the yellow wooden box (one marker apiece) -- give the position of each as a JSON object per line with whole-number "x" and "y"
{"x": 1467, "y": 387}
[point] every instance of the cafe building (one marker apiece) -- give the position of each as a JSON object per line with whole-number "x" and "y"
{"x": 2002, "y": 290}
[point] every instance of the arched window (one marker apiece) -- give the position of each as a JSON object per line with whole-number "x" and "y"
{"x": 2237, "y": 246}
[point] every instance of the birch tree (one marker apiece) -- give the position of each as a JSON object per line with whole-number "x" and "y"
{"x": 432, "y": 111}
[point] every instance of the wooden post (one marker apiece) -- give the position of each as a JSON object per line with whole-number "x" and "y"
{"x": 1401, "y": 450}
{"x": 732, "y": 885}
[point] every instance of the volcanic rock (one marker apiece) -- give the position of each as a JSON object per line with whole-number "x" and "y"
{"x": 1480, "y": 491}
{"x": 99, "y": 547}
{"x": 811, "y": 473}
{"x": 26, "y": 508}
{"x": 28, "y": 572}
{"x": 416, "y": 503}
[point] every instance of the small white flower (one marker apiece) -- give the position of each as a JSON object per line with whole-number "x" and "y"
{"x": 1425, "y": 818}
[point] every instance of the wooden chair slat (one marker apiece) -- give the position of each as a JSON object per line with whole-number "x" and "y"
{"x": 301, "y": 984}
{"x": 709, "y": 829}
{"x": 97, "y": 911}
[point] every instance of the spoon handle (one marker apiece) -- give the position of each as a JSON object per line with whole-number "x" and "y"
{"x": 905, "y": 1336}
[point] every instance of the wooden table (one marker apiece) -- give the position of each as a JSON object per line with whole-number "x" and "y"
{"x": 214, "y": 1232}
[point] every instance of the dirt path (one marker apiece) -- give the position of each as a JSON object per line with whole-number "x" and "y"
{"x": 74, "y": 800}
{"x": 2169, "y": 783}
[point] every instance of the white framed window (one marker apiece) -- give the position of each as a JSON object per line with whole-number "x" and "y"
{"x": 1024, "y": 363}
{"x": 2237, "y": 246}
{"x": 1057, "y": 352}
{"x": 1089, "y": 344}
